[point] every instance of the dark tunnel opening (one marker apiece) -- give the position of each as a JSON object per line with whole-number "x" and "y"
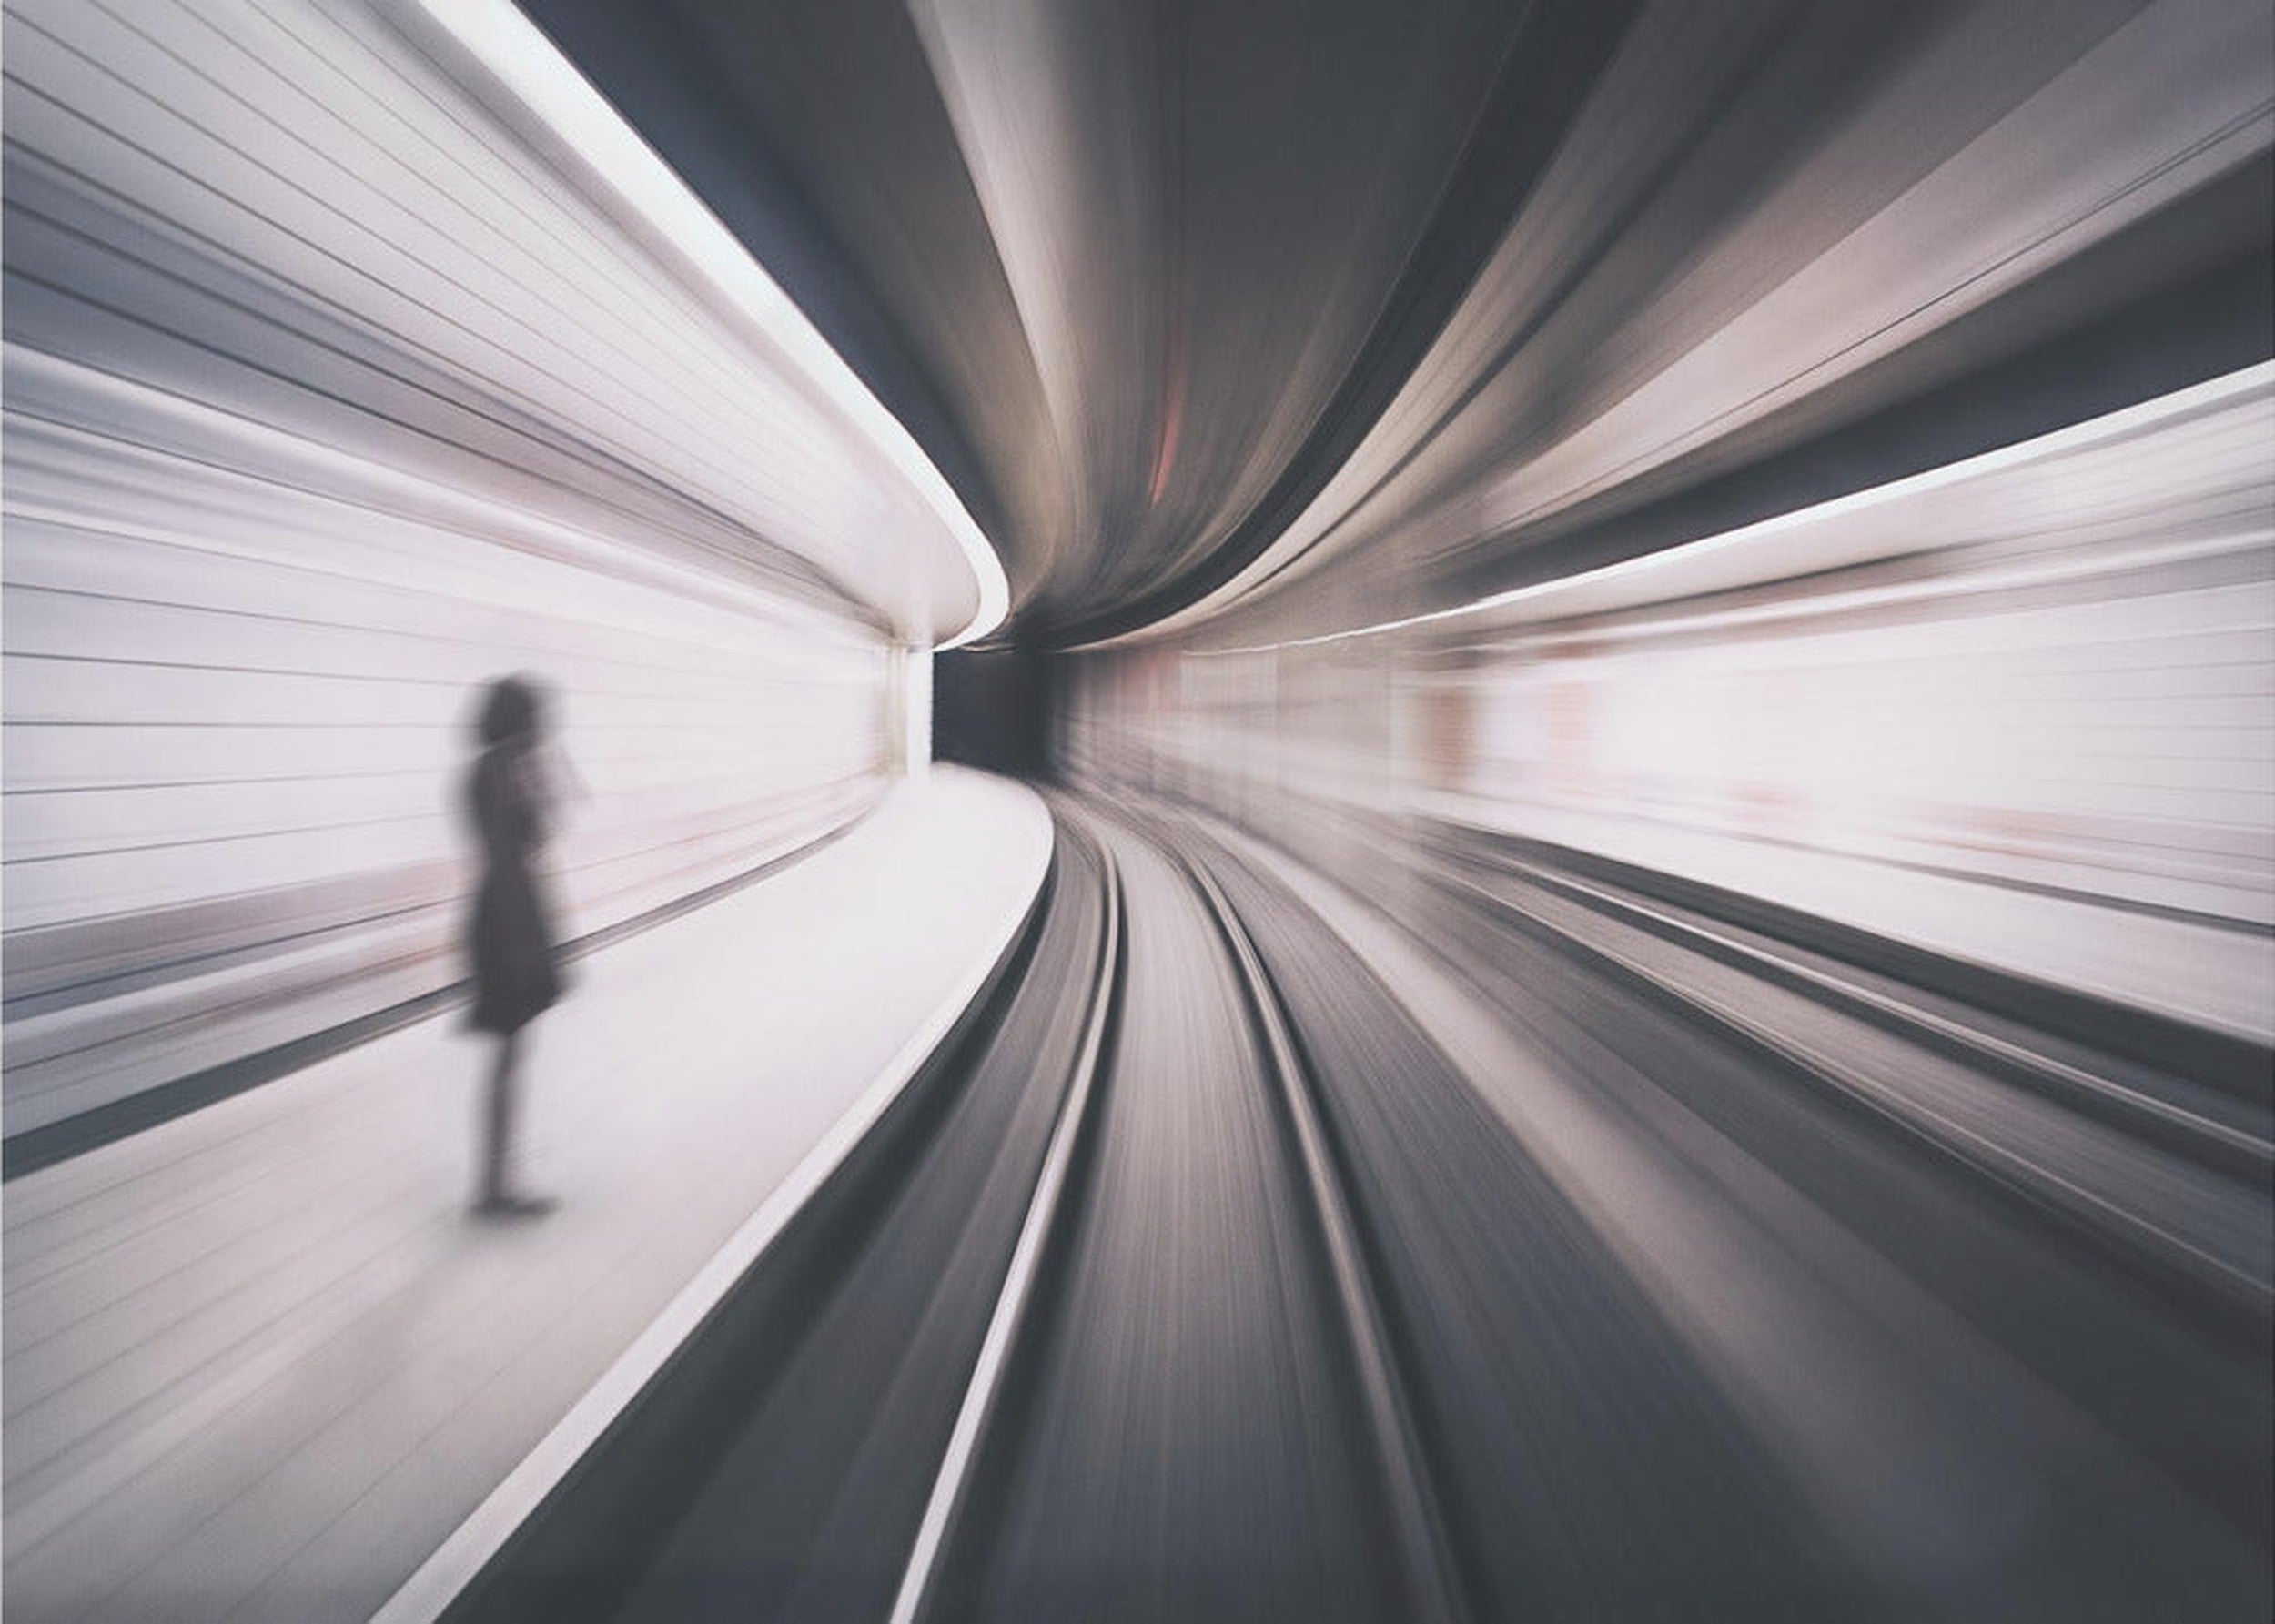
{"x": 993, "y": 709}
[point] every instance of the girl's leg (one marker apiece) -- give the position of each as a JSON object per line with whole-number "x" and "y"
{"x": 498, "y": 1121}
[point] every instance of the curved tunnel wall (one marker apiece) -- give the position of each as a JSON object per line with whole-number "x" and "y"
{"x": 292, "y": 469}
{"x": 1902, "y": 546}
{"x": 2047, "y": 671}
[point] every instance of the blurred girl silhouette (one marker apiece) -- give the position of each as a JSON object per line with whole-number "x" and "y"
{"x": 509, "y": 939}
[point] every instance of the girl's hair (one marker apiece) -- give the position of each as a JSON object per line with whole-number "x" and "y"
{"x": 510, "y": 708}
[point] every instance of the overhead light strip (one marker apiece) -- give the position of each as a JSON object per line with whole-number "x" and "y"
{"x": 548, "y": 84}
{"x": 2218, "y": 391}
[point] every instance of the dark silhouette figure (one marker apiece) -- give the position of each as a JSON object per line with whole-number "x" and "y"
{"x": 511, "y": 939}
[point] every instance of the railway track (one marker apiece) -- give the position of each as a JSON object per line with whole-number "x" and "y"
{"x": 1193, "y": 1281}
{"x": 2170, "y": 1174}
{"x": 2104, "y": 1222}
{"x": 850, "y": 1436}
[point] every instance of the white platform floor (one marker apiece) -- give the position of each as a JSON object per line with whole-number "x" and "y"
{"x": 260, "y": 1361}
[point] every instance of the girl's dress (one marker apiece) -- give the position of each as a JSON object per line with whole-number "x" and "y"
{"x": 511, "y": 938}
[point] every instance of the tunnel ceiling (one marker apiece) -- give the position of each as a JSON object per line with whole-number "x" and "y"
{"x": 1135, "y": 275}
{"x": 1183, "y": 299}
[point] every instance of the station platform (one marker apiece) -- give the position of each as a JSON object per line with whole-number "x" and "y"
{"x": 262, "y": 1362}
{"x": 2216, "y": 974}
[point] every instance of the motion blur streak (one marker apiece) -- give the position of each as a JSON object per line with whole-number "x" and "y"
{"x": 1612, "y": 956}
{"x": 2046, "y": 670}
